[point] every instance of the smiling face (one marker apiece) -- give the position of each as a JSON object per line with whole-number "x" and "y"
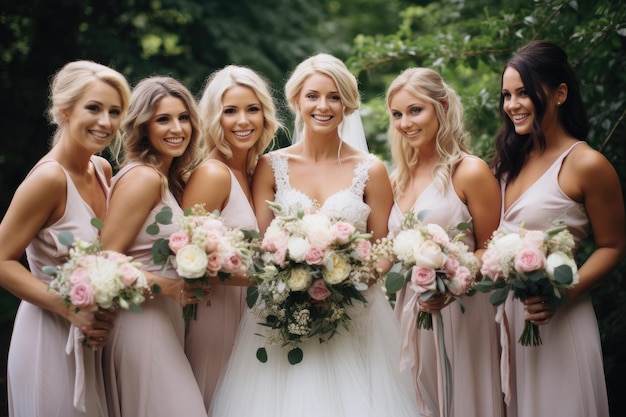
{"x": 320, "y": 104}
{"x": 242, "y": 117}
{"x": 169, "y": 130}
{"x": 415, "y": 119}
{"x": 95, "y": 118}
{"x": 516, "y": 102}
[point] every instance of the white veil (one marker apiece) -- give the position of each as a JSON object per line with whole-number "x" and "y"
{"x": 350, "y": 131}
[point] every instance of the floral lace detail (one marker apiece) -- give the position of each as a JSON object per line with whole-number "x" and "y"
{"x": 346, "y": 204}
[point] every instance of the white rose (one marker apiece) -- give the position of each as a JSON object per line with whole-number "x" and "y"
{"x": 300, "y": 279}
{"x": 511, "y": 242}
{"x": 103, "y": 275}
{"x": 429, "y": 255}
{"x": 557, "y": 259}
{"x": 191, "y": 262}
{"x": 438, "y": 233}
{"x": 297, "y": 247}
{"x": 404, "y": 242}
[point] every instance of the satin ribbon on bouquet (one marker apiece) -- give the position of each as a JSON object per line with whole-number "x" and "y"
{"x": 75, "y": 344}
{"x": 410, "y": 353}
{"x": 505, "y": 368}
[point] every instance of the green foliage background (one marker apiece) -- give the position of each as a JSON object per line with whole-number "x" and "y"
{"x": 466, "y": 41}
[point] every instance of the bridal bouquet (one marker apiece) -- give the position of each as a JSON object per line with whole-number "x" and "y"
{"x": 93, "y": 277}
{"x": 203, "y": 247}
{"x": 433, "y": 263}
{"x": 529, "y": 263}
{"x": 310, "y": 269}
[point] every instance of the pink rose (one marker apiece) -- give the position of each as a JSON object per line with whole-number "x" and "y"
{"x": 214, "y": 263}
{"x": 272, "y": 242}
{"x": 86, "y": 261}
{"x": 491, "y": 267}
{"x": 318, "y": 290}
{"x": 533, "y": 238}
{"x": 342, "y": 232}
{"x": 82, "y": 294}
{"x": 214, "y": 225}
{"x": 460, "y": 281}
{"x": 79, "y": 275}
{"x": 451, "y": 266}
{"x": 529, "y": 259}
{"x": 129, "y": 274}
{"x": 113, "y": 256}
{"x": 423, "y": 279}
{"x": 314, "y": 256}
{"x": 231, "y": 262}
{"x": 280, "y": 256}
{"x": 212, "y": 241}
{"x": 363, "y": 249}
{"x": 177, "y": 240}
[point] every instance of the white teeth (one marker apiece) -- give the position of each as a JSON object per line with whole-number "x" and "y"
{"x": 322, "y": 118}
{"x": 414, "y": 132}
{"x": 174, "y": 141}
{"x": 243, "y": 133}
{"x": 100, "y": 135}
{"x": 519, "y": 117}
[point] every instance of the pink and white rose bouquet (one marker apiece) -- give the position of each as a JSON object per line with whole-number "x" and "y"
{"x": 430, "y": 261}
{"x": 93, "y": 278}
{"x": 204, "y": 247}
{"x": 529, "y": 263}
{"x": 310, "y": 269}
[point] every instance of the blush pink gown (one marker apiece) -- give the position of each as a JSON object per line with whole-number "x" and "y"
{"x": 146, "y": 371}
{"x": 471, "y": 338}
{"x": 564, "y": 376}
{"x": 41, "y": 374}
{"x": 210, "y": 338}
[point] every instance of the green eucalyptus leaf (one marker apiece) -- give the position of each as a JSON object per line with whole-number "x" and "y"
{"x": 422, "y": 214}
{"x": 499, "y": 296}
{"x": 135, "y": 308}
{"x": 160, "y": 251}
{"x": 49, "y": 270}
{"x": 153, "y": 229}
{"x": 295, "y": 356}
{"x": 535, "y": 276}
{"x": 164, "y": 216}
{"x": 97, "y": 223}
{"x": 252, "y": 294}
{"x": 66, "y": 238}
{"x": 563, "y": 274}
{"x": 261, "y": 354}
{"x": 394, "y": 282}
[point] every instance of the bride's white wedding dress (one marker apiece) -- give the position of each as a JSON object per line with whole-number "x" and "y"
{"x": 355, "y": 374}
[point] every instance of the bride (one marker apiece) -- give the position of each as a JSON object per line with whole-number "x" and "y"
{"x": 356, "y": 373}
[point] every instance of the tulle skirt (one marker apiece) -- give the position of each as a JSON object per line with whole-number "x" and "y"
{"x": 354, "y": 374}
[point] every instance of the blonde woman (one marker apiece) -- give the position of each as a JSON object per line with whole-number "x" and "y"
{"x": 355, "y": 373}
{"x": 238, "y": 123}
{"x": 436, "y": 174}
{"x": 63, "y": 192}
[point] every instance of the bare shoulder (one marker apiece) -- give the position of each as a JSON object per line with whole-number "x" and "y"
{"x": 141, "y": 182}
{"x": 211, "y": 170}
{"x": 105, "y": 165}
{"x": 472, "y": 169}
{"x": 587, "y": 160}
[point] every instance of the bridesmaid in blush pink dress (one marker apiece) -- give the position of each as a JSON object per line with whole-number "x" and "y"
{"x": 65, "y": 190}
{"x": 146, "y": 371}
{"x": 435, "y": 173}
{"x": 239, "y": 122}
{"x": 549, "y": 174}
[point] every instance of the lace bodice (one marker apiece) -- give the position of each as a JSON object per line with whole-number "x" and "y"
{"x": 346, "y": 204}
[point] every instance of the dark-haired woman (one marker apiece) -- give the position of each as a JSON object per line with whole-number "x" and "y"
{"x": 549, "y": 174}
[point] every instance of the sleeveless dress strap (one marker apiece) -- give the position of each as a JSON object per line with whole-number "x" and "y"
{"x": 281, "y": 171}
{"x": 361, "y": 175}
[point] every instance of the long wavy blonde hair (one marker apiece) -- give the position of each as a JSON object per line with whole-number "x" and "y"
{"x": 452, "y": 141}
{"x": 211, "y": 109}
